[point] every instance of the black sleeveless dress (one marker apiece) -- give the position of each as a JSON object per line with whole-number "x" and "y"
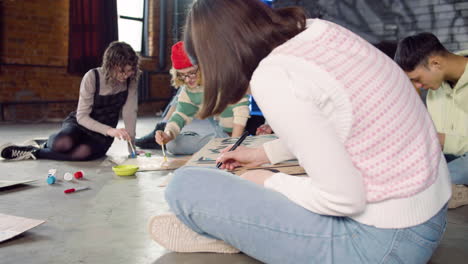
{"x": 106, "y": 110}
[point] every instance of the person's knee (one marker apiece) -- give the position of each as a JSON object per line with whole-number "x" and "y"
{"x": 188, "y": 143}
{"x": 62, "y": 144}
{"x": 81, "y": 152}
{"x": 179, "y": 148}
{"x": 177, "y": 184}
{"x": 172, "y": 147}
{"x": 186, "y": 181}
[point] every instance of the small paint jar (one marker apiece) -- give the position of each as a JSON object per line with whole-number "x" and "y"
{"x": 51, "y": 179}
{"x": 52, "y": 172}
{"x": 78, "y": 175}
{"x": 68, "y": 176}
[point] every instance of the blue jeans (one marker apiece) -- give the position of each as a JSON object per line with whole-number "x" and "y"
{"x": 267, "y": 226}
{"x": 458, "y": 168}
{"x": 189, "y": 142}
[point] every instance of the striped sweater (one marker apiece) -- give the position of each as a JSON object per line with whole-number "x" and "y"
{"x": 365, "y": 139}
{"x": 188, "y": 104}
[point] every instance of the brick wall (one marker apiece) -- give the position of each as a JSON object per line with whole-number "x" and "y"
{"x": 28, "y": 25}
{"x": 34, "y": 48}
{"x": 34, "y": 54}
{"x": 394, "y": 19}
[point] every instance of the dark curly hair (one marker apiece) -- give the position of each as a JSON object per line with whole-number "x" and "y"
{"x": 118, "y": 55}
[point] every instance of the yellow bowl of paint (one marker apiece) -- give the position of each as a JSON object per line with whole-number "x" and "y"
{"x": 125, "y": 170}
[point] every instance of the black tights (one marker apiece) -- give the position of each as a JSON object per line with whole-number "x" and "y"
{"x": 71, "y": 144}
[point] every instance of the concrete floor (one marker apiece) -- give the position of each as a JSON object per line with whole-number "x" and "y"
{"x": 108, "y": 223}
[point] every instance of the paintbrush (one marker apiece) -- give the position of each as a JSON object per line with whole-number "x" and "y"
{"x": 133, "y": 149}
{"x": 164, "y": 152}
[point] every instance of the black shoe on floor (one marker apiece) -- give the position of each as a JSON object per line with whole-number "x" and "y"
{"x": 148, "y": 141}
{"x": 36, "y": 142}
{"x": 41, "y": 142}
{"x": 14, "y": 152}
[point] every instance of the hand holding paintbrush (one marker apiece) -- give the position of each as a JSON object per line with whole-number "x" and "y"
{"x": 162, "y": 138}
{"x": 133, "y": 153}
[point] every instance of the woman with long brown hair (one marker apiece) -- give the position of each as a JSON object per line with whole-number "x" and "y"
{"x": 376, "y": 186}
{"x": 88, "y": 132}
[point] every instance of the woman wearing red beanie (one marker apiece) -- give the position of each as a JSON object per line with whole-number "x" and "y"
{"x": 187, "y": 78}
{"x": 179, "y": 62}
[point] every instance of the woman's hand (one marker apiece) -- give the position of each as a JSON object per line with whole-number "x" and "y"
{"x": 257, "y": 176}
{"x": 119, "y": 133}
{"x": 242, "y": 156}
{"x": 162, "y": 138}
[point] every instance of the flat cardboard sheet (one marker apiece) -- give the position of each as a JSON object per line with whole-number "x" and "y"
{"x": 153, "y": 163}
{"x": 206, "y": 157}
{"x": 5, "y": 183}
{"x": 291, "y": 167}
{"x": 11, "y": 226}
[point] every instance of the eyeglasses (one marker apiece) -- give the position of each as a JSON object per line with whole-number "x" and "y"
{"x": 190, "y": 75}
{"x": 124, "y": 73}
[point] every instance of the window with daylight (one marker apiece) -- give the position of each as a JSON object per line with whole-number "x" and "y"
{"x": 131, "y": 21}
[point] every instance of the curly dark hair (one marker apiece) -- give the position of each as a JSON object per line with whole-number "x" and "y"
{"x": 118, "y": 55}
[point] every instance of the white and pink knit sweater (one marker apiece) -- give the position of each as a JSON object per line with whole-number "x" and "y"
{"x": 352, "y": 118}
